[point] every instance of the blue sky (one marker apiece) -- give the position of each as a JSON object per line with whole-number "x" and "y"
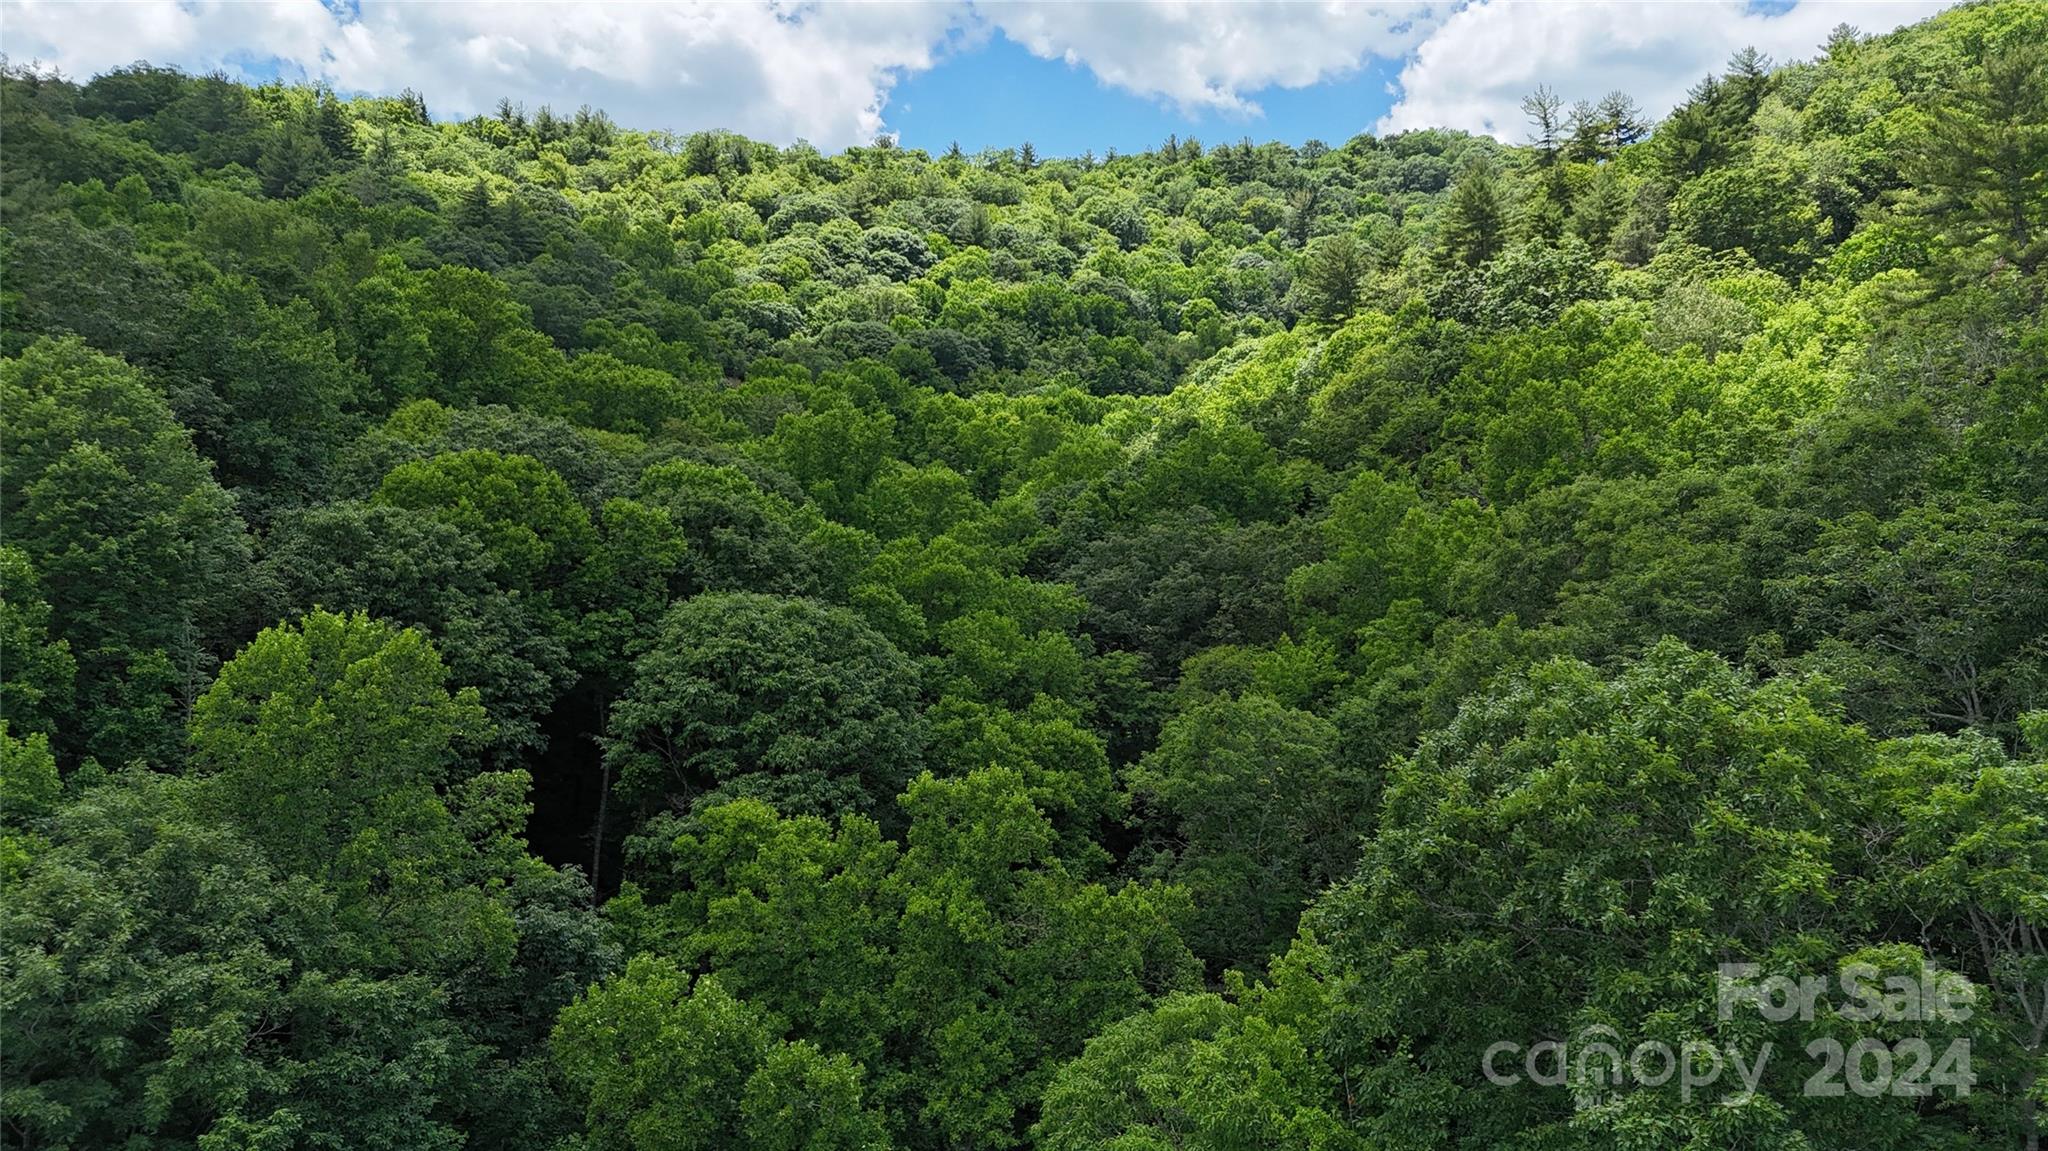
{"x": 999, "y": 95}
{"x": 1069, "y": 77}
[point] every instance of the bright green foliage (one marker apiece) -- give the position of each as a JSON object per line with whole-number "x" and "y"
{"x": 1004, "y": 959}
{"x": 600, "y": 391}
{"x": 1967, "y": 845}
{"x": 449, "y": 334}
{"x": 311, "y": 730}
{"x": 1383, "y": 546}
{"x": 522, "y": 512}
{"x": 835, "y": 454}
{"x": 1645, "y": 829}
{"x": 1063, "y": 763}
{"x": 29, "y": 788}
{"x": 671, "y": 1063}
{"x": 956, "y": 969}
{"x": 337, "y": 747}
{"x": 795, "y": 914}
{"x": 803, "y": 1100}
{"x": 29, "y": 792}
{"x": 331, "y": 745}
{"x": 1194, "y": 1072}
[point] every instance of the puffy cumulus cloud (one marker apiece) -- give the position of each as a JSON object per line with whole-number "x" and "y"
{"x": 1208, "y": 56}
{"x": 783, "y": 69}
{"x": 1473, "y": 71}
{"x": 776, "y": 71}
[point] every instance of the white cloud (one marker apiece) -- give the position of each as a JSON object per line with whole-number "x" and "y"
{"x": 781, "y": 69}
{"x": 1207, "y": 56}
{"x": 772, "y": 70}
{"x": 1474, "y": 69}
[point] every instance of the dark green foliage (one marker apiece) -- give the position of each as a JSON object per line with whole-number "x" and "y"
{"x": 786, "y": 699}
{"x": 139, "y": 552}
{"x": 1981, "y": 165}
{"x": 1600, "y": 812}
{"x": 215, "y": 1008}
{"x": 1330, "y": 278}
{"x": 1475, "y": 226}
{"x": 1255, "y": 816}
{"x": 262, "y": 390}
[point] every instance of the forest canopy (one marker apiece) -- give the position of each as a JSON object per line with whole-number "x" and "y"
{"x": 523, "y": 633}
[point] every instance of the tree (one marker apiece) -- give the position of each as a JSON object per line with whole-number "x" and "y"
{"x": 1254, "y": 816}
{"x": 523, "y": 513}
{"x": 1475, "y": 227}
{"x": 1589, "y": 134}
{"x": 835, "y": 454}
{"x": 1640, "y": 830}
{"x": 973, "y": 937}
{"x": 1332, "y": 272}
{"x": 1706, "y": 130}
{"x": 452, "y": 334}
{"x": 1182, "y": 582}
{"x": 674, "y": 1063}
{"x": 1622, "y": 119}
{"x": 1600, "y": 208}
{"x": 1023, "y": 651}
{"x": 30, "y": 791}
{"x": 1642, "y": 228}
{"x": 291, "y": 160}
{"x": 1542, "y": 107}
{"x": 600, "y": 391}
{"x": 414, "y": 569}
{"x": 1981, "y": 163}
{"x": 138, "y": 549}
{"x": 1963, "y": 827}
{"x": 741, "y": 536}
{"x": 1120, "y": 216}
{"x": 800, "y": 704}
{"x": 1928, "y": 616}
{"x": 263, "y": 388}
{"x": 316, "y": 734}
{"x": 1532, "y": 284}
{"x": 473, "y": 211}
{"x": 168, "y": 989}
{"x": 1763, "y": 207}
{"x": 36, "y": 692}
{"x": 1382, "y": 545}
{"x": 1748, "y": 80}
{"x": 1004, "y": 952}
{"x": 1693, "y": 314}
{"x": 1195, "y": 1071}
{"x": 336, "y": 748}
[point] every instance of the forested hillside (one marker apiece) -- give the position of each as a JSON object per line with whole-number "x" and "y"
{"x": 522, "y": 633}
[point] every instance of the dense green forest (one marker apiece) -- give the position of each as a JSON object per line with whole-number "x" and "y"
{"x": 521, "y": 633}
